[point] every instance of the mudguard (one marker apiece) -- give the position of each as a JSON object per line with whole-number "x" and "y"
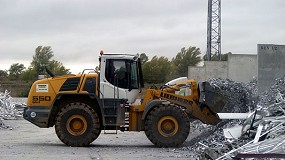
{"x": 150, "y": 105}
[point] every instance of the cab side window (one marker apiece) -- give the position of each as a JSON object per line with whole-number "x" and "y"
{"x": 117, "y": 73}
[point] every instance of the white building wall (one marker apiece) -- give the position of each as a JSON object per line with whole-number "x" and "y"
{"x": 239, "y": 67}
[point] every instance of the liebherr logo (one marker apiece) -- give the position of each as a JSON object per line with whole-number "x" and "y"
{"x": 175, "y": 98}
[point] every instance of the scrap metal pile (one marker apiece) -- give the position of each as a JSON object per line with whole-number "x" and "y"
{"x": 262, "y": 134}
{"x": 8, "y": 109}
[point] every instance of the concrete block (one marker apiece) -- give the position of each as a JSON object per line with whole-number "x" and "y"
{"x": 239, "y": 67}
{"x": 216, "y": 69}
{"x": 197, "y": 73}
{"x": 271, "y": 64}
{"x": 211, "y": 69}
{"x": 242, "y": 67}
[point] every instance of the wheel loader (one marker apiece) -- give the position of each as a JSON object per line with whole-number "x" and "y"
{"x": 81, "y": 106}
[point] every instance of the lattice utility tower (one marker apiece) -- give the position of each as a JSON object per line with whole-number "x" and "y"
{"x": 214, "y": 29}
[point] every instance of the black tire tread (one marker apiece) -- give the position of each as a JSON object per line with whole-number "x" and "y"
{"x": 91, "y": 136}
{"x": 151, "y": 123}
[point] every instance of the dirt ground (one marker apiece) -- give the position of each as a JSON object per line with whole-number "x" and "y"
{"x": 27, "y": 141}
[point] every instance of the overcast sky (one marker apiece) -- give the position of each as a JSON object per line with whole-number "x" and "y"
{"x": 78, "y": 29}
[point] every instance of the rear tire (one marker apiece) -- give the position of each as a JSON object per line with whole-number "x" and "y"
{"x": 77, "y": 124}
{"x": 167, "y": 126}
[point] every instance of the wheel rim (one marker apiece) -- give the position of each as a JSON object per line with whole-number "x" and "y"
{"x": 167, "y": 126}
{"x": 76, "y": 125}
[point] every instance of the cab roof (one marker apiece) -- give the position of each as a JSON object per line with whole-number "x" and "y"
{"x": 119, "y": 56}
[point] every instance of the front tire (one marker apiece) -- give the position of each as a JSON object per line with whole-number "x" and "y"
{"x": 77, "y": 124}
{"x": 167, "y": 126}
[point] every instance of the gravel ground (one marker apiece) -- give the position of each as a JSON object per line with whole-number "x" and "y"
{"x": 26, "y": 141}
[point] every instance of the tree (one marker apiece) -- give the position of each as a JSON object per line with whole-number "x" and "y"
{"x": 156, "y": 70}
{"x": 97, "y": 69}
{"x": 3, "y": 75}
{"x": 186, "y": 57}
{"x": 15, "y": 71}
{"x": 215, "y": 57}
{"x": 41, "y": 59}
{"x": 57, "y": 68}
{"x": 29, "y": 75}
{"x": 171, "y": 73}
{"x": 144, "y": 58}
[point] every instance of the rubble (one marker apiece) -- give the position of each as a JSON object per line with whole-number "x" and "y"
{"x": 262, "y": 131}
{"x": 9, "y": 110}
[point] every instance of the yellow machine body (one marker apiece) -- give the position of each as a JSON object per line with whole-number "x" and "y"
{"x": 80, "y": 106}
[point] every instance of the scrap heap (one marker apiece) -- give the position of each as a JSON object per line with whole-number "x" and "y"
{"x": 8, "y": 109}
{"x": 262, "y": 133}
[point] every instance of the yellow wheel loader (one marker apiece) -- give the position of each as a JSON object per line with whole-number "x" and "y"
{"x": 81, "y": 106}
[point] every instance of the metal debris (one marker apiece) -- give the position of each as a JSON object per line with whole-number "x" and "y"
{"x": 8, "y": 109}
{"x": 262, "y": 131}
{"x": 274, "y": 145}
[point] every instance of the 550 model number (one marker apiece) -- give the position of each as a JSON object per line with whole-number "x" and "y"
{"x": 39, "y": 99}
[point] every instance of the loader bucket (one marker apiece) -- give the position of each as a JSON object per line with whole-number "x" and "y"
{"x": 211, "y": 97}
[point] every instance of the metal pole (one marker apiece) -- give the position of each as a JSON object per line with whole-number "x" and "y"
{"x": 209, "y": 28}
{"x": 214, "y": 29}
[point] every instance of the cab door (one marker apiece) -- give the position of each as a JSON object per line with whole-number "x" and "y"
{"x": 119, "y": 79}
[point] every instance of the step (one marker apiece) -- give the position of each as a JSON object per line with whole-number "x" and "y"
{"x": 112, "y": 125}
{"x": 110, "y": 111}
{"x": 110, "y": 116}
{"x": 109, "y": 107}
{"x": 111, "y": 132}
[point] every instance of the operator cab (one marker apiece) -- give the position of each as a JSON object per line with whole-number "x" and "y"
{"x": 120, "y": 77}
